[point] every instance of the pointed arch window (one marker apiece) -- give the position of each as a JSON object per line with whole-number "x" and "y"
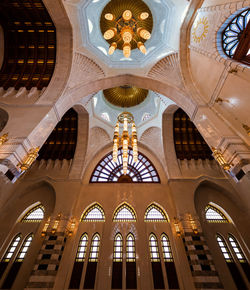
{"x": 35, "y": 215}
{"x": 214, "y": 215}
{"x": 154, "y": 251}
{"x": 118, "y": 248}
{"x": 117, "y": 263}
{"x": 93, "y": 214}
{"x": 235, "y": 37}
{"x": 224, "y": 249}
{"x": 131, "y": 279}
{"x": 130, "y": 248}
{"x": 166, "y": 249}
{"x": 124, "y": 213}
{"x": 9, "y": 253}
{"x": 81, "y": 251}
{"x": 94, "y": 250}
{"x": 155, "y": 214}
{"x": 141, "y": 171}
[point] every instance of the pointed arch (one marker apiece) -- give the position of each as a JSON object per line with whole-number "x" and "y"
{"x": 124, "y": 213}
{"x": 216, "y": 214}
{"x": 237, "y": 249}
{"x": 11, "y": 249}
{"x": 93, "y": 213}
{"x": 117, "y": 257}
{"x": 224, "y": 248}
{"x": 34, "y": 215}
{"x": 155, "y": 213}
{"x": 82, "y": 247}
{"x": 166, "y": 248}
{"x": 94, "y": 249}
{"x": 130, "y": 248}
{"x": 154, "y": 250}
{"x": 25, "y": 247}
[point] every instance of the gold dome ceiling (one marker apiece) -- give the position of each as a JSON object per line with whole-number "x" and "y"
{"x": 117, "y": 7}
{"x": 125, "y": 96}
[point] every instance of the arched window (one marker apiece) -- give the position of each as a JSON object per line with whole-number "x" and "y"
{"x": 224, "y": 249}
{"x": 124, "y": 213}
{"x": 155, "y": 214}
{"x": 154, "y": 251}
{"x": 130, "y": 248}
{"x": 81, "y": 251}
{"x": 235, "y": 37}
{"x": 236, "y": 247}
{"x": 141, "y": 171}
{"x": 214, "y": 215}
{"x": 35, "y": 215}
{"x": 166, "y": 249}
{"x": 94, "y": 250}
{"x": 118, "y": 248}
{"x": 93, "y": 214}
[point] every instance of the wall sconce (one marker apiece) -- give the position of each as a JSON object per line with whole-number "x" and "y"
{"x": 71, "y": 227}
{"x": 29, "y": 159}
{"x": 3, "y": 139}
{"x": 177, "y": 227}
{"x": 220, "y": 159}
{"x": 46, "y": 225}
{"x": 247, "y": 128}
{"x": 193, "y": 224}
{"x": 56, "y": 224}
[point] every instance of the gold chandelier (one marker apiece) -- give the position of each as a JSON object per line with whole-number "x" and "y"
{"x": 125, "y": 119}
{"x": 125, "y": 29}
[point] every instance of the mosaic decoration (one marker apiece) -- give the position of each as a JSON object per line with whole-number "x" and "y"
{"x": 200, "y": 30}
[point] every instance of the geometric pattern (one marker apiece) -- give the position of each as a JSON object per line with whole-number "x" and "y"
{"x": 155, "y": 214}
{"x": 35, "y": 215}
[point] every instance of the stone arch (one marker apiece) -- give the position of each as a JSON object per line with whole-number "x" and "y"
{"x": 4, "y": 117}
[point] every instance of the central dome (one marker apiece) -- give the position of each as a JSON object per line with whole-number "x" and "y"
{"x": 125, "y": 96}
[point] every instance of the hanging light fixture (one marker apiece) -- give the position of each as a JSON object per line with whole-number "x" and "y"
{"x": 125, "y": 29}
{"x": 127, "y": 121}
{"x": 220, "y": 159}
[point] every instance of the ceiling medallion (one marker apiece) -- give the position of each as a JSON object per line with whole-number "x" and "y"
{"x": 125, "y": 96}
{"x": 126, "y": 25}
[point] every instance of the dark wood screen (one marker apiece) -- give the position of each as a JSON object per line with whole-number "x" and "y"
{"x": 189, "y": 144}
{"x": 29, "y": 44}
{"x": 61, "y": 143}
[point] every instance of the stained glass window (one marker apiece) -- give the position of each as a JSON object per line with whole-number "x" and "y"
{"x": 24, "y": 249}
{"x": 155, "y": 214}
{"x": 153, "y": 246}
{"x": 140, "y": 171}
{"x": 232, "y": 34}
{"x": 166, "y": 248}
{"x": 130, "y": 248}
{"x": 94, "y": 250}
{"x": 224, "y": 249}
{"x": 214, "y": 215}
{"x": 236, "y": 247}
{"x": 36, "y": 214}
{"x": 93, "y": 214}
{"x": 118, "y": 248}
{"x": 81, "y": 251}
{"x": 9, "y": 253}
{"x": 124, "y": 213}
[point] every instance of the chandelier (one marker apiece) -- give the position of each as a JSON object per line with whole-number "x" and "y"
{"x": 127, "y": 120}
{"x": 127, "y": 28}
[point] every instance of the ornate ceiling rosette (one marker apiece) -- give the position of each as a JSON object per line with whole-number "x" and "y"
{"x": 125, "y": 96}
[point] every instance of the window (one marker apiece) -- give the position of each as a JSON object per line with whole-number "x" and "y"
{"x": 154, "y": 251}
{"x": 124, "y": 213}
{"x": 235, "y": 37}
{"x": 94, "y": 250}
{"x": 9, "y": 253}
{"x": 34, "y": 215}
{"x": 109, "y": 171}
{"x": 23, "y": 251}
{"x": 166, "y": 249}
{"x": 214, "y": 215}
{"x": 130, "y": 248}
{"x": 93, "y": 214}
{"x": 118, "y": 248}
{"x": 81, "y": 251}
{"x": 224, "y": 249}
{"x": 238, "y": 252}
{"x": 155, "y": 214}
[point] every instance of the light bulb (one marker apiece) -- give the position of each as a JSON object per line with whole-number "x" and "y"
{"x": 109, "y": 16}
{"x": 109, "y": 33}
{"x": 143, "y": 33}
{"x": 143, "y": 15}
{"x": 127, "y": 15}
{"x": 126, "y": 35}
{"x": 126, "y": 50}
{"x": 112, "y": 48}
{"x": 142, "y": 47}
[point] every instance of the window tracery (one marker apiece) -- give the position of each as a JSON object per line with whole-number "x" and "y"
{"x": 124, "y": 213}
{"x": 166, "y": 248}
{"x": 93, "y": 213}
{"x": 154, "y": 251}
{"x": 237, "y": 250}
{"x": 9, "y": 253}
{"x": 82, "y": 247}
{"x": 155, "y": 214}
{"x": 94, "y": 250}
{"x": 214, "y": 215}
{"x": 224, "y": 249}
{"x": 130, "y": 248}
{"x": 140, "y": 171}
{"x": 118, "y": 248}
{"x": 35, "y": 215}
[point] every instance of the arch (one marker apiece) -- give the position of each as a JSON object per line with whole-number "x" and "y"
{"x": 130, "y": 248}
{"x": 215, "y": 214}
{"x": 4, "y": 117}
{"x": 155, "y": 213}
{"x": 237, "y": 249}
{"x": 93, "y": 213}
{"x": 166, "y": 248}
{"x": 36, "y": 214}
{"x": 10, "y": 251}
{"x": 109, "y": 171}
{"x": 154, "y": 250}
{"x": 224, "y": 248}
{"x": 94, "y": 249}
{"x": 124, "y": 213}
{"x": 82, "y": 248}
{"x": 231, "y": 37}
{"x": 117, "y": 256}
{"x": 25, "y": 247}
